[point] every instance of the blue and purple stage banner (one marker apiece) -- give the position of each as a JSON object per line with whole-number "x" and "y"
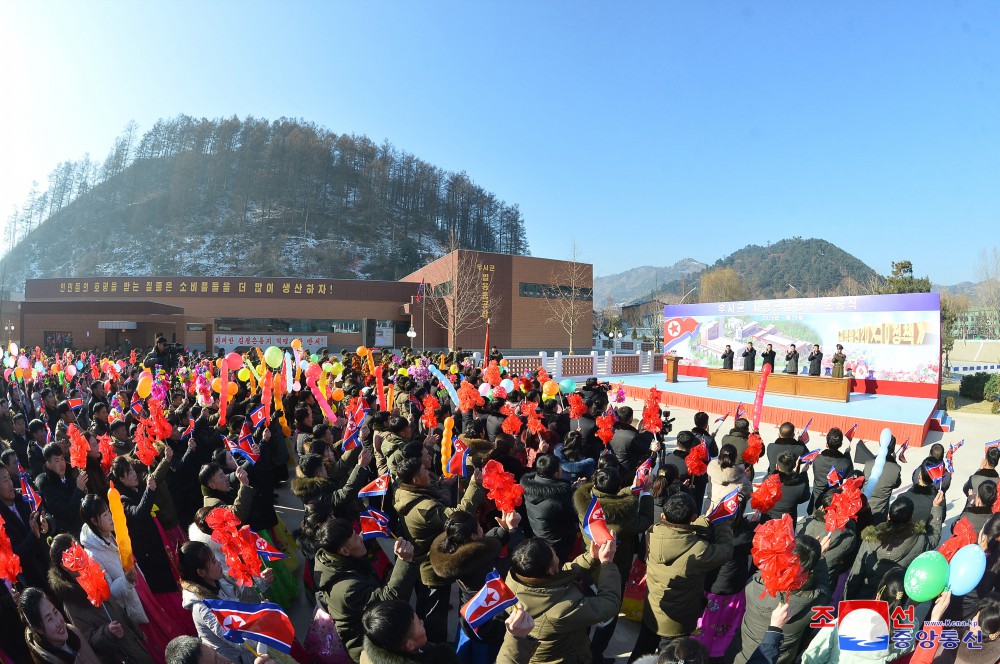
{"x": 892, "y": 342}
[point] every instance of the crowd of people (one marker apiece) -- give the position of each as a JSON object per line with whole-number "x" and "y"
{"x": 185, "y": 451}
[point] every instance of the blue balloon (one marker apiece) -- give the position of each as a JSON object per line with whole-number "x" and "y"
{"x": 883, "y": 451}
{"x": 452, "y": 392}
{"x": 966, "y": 569}
{"x": 79, "y": 365}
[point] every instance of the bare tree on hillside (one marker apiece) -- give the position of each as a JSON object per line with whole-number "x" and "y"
{"x": 987, "y": 272}
{"x": 570, "y": 295}
{"x": 458, "y": 297}
{"x": 722, "y": 285}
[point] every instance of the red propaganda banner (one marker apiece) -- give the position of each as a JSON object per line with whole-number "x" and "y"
{"x": 758, "y": 401}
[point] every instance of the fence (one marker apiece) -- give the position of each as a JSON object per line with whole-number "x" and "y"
{"x": 603, "y": 364}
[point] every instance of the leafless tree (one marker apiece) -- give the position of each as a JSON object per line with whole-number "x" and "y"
{"x": 459, "y": 292}
{"x": 569, "y": 296}
{"x": 987, "y": 272}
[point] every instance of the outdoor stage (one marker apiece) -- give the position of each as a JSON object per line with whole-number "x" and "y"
{"x": 907, "y": 417}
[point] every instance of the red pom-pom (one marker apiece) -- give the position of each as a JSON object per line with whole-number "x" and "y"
{"x": 512, "y": 423}
{"x": 501, "y": 487}
{"x": 535, "y": 424}
{"x": 845, "y": 506}
{"x": 468, "y": 397}
{"x": 144, "y": 449}
{"x": 78, "y": 447}
{"x": 963, "y": 534}
{"x": 90, "y": 576}
{"x": 108, "y": 453}
{"x": 696, "y": 461}
{"x": 10, "y": 562}
{"x": 543, "y": 376}
{"x": 651, "y": 412}
{"x": 429, "y": 417}
{"x": 780, "y": 570}
{"x": 605, "y": 428}
{"x": 159, "y": 427}
{"x": 767, "y": 494}
{"x": 492, "y": 374}
{"x": 755, "y": 447}
{"x": 577, "y": 407}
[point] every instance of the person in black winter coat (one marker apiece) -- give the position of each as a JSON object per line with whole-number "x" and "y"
{"x": 62, "y": 489}
{"x": 700, "y": 429}
{"x": 987, "y": 472}
{"x": 26, "y": 530}
{"x": 587, "y": 425}
{"x": 921, "y": 494}
{"x": 548, "y": 503}
{"x": 794, "y": 488}
{"x": 737, "y": 437}
{"x": 786, "y": 442}
{"x": 629, "y": 445}
{"x": 979, "y": 511}
{"x": 935, "y": 456}
{"x": 494, "y": 421}
{"x": 727, "y": 357}
{"x": 829, "y": 458}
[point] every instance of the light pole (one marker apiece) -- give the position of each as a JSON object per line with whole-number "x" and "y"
{"x": 8, "y": 329}
{"x": 619, "y": 334}
{"x": 686, "y": 294}
{"x": 796, "y": 290}
{"x": 412, "y": 334}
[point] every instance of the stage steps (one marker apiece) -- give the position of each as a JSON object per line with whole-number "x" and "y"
{"x": 942, "y": 421}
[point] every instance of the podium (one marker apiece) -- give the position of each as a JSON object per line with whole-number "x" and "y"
{"x": 670, "y": 363}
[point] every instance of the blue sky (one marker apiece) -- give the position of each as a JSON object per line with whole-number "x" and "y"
{"x": 644, "y": 131}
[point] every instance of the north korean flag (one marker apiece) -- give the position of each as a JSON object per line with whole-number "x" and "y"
{"x": 374, "y": 524}
{"x": 809, "y": 458}
{"x": 352, "y": 432}
{"x": 641, "y": 474}
{"x": 949, "y": 457}
{"x": 993, "y": 443}
{"x": 901, "y": 454}
{"x": 188, "y": 430}
{"x": 723, "y": 418}
{"x": 136, "y": 406}
{"x": 804, "y": 436}
{"x": 378, "y": 487}
{"x": 492, "y": 599}
{"x": 678, "y": 328}
{"x": 266, "y": 623}
{"x": 936, "y": 472}
{"x": 256, "y": 416}
{"x": 75, "y": 404}
{"x": 849, "y": 434}
{"x": 834, "y": 477}
{"x": 265, "y": 549}
{"x": 415, "y": 402}
{"x": 727, "y": 507}
{"x": 457, "y": 464}
{"x": 28, "y": 492}
{"x": 595, "y": 526}
{"x": 740, "y": 410}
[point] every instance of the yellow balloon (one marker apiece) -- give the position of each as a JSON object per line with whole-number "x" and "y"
{"x": 403, "y": 372}
{"x": 145, "y": 387}
{"x": 243, "y": 374}
{"x": 216, "y": 385}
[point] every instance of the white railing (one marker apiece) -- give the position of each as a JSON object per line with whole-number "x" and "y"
{"x": 603, "y": 364}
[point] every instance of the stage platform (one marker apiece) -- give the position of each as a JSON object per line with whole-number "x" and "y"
{"x": 907, "y": 417}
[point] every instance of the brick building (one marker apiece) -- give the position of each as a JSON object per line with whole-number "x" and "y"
{"x": 231, "y": 312}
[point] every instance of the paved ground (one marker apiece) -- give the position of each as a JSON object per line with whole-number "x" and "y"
{"x": 976, "y": 429}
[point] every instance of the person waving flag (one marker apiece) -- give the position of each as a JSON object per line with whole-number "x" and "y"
{"x": 374, "y": 524}
{"x": 595, "y": 526}
{"x": 492, "y": 599}
{"x": 265, "y": 623}
{"x": 377, "y": 487}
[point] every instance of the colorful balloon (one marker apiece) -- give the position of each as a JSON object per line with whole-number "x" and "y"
{"x": 338, "y": 394}
{"x": 234, "y": 361}
{"x": 966, "y": 569}
{"x": 243, "y": 374}
{"x": 567, "y": 386}
{"x": 145, "y": 387}
{"x": 273, "y": 357}
{"x": 362, "y": 351}
{"x": 926, "y": 576}
{"x": 550, "y": 388}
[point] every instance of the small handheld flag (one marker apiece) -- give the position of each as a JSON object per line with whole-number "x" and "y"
{"x": 256, "y": 416}
{"x": 489, "y": 602}
{"x": 28, "y": 492}
{"x": 993, "y": 443}
{"x": 266, "y": 623}
{"x": 849, "y": 434}
{"x": 936, "y": 472}
{"x": 374, "y": 524}
{"x": 727, "y": 507}
{"x": 352, "y": 432}
{"x": 723, "y": 418}
{"x": 75, "y": 404}
{"x": 188, "y": 430}
{"x": 136, "y": 405}
{"x": 804, "y": 436}
{"x": 266, "y": 550}
{"x": 809, "y": 458}
{"x": 641, "y": 474}
{"x": 377, "y": 487}
{"x": 595, "y": 526}
{"x": 457, "y": 463}
{"x": 949, "y": 457}
{"x": 901, "y": 454}
{"x": 740, "y": 410}
{"x": 833, "y": 478}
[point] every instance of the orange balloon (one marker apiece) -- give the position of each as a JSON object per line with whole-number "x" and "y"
{"x": 216, "y": 384}
{"x": 338, "y": 394}
{"x": 232, "y": 387}
{"x": 503, "y": 363}
{"x": 297, "y": 344}
{"x": 550, "y": 389}
{"x": 362, "y": 351}
{"x": 218, "y": 364}
{"x": 54, "y": 368}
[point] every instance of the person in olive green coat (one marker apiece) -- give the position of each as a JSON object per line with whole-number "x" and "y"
{"x": 681, "y": 553}
{"x": 422, "y": 516}
{"x": 348, "y": 584}
{"x": 552, "y": 595}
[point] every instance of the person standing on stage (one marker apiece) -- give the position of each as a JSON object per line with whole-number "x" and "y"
{"x": 792, "y": 360}
{"x": 838, "y": 362}
{"x": 749, "y": 358}
{"x": 727, "y": 358}
{"x": 767, "y": 357}
{"x": 815, "y": 361}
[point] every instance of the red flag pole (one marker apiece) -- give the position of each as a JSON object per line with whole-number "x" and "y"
{"x": 486, "y": 348}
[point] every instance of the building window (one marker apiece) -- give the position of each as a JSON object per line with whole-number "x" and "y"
{"x": 541, "y": 290}
{"x": 196, "y": 327}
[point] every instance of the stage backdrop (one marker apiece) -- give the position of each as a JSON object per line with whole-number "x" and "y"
{"x": 892, "y": 342}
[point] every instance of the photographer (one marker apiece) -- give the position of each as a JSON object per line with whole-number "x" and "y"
{"x": 163, "y": 354}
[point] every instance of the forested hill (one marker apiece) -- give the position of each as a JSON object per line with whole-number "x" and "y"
{"x": 798, "y": 267}
{"x": 236, "y": 197}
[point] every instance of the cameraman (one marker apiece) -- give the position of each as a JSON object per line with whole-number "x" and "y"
{"x": 163, "y": 355}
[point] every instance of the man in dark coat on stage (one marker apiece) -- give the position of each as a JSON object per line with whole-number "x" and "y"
{"x": 815, "y": 361}
{"x": 792, "y": 360}
{"x": 749, "y": 358}
{"x": 727, "y": 358}
{"x": 767, "y": 357}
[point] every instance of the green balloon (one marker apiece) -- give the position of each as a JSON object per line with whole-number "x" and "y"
{"x": 273, "y": 357}
{"x": 314, "y": 357}
{"x": 926, "y": 576}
